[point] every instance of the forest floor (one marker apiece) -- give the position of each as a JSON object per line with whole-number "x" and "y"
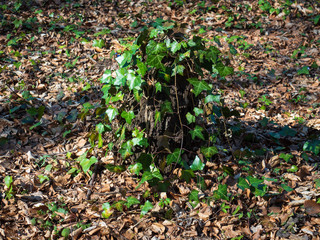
{"x": 51, "y": 64}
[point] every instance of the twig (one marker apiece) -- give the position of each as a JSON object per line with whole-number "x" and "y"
{"x": 178, "y": 111}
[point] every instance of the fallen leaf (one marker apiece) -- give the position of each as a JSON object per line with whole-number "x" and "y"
{"x": 312, "y": 207}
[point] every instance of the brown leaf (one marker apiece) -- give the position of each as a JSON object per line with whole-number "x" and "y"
{"x": 158, "y": 228}
{"x": 312, "y": 207}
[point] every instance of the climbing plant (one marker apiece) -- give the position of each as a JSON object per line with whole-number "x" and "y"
{"x": 161, "y": 106}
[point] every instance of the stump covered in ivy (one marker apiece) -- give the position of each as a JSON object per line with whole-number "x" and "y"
{"x": 154, "y": 103}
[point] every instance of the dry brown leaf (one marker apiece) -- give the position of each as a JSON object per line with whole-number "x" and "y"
{"x": 312, "y": 207}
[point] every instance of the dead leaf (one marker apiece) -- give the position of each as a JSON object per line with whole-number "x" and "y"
{"x": 312, "y": 207}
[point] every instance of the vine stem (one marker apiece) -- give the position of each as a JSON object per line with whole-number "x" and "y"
{"x": 178, "y": 111}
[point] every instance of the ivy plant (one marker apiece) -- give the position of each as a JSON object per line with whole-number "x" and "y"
{"x": 154, "y": 104}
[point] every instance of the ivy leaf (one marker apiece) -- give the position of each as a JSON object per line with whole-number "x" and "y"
{"x": 194, "y": 198}
{"x": 175, "y": 46}
{"x": 208, "y": 152}
{"x": 111, "y": 113}
{"x": 155, "y": 61}
{"x": 166, "y": 107}
{"x": 197, "y": 132}
{"x": 187, "y": 175}
{"x": 221, "y": 192}
{"x": 312, "y": 146}
{"x": 136, "y": 168}
{"x": 158, "y": 87}
{"x": 115, "y": 168}
{"x": 286, "y": 187}
{"x": 242, "y": 183}
{"x": 98, "y": 43}
{"x": 212, "y": 98}
{"x": 7, "y": 181}
{"x": 198, "y": 86}
{"x": 190, "y": 118}
{"x": 178, "y": 69}
{"x": 304, "y": 70}
{"x": 198, "y": 111}
{"x": 287, "y": 131}
{"x": 107, "y": 210}
{"x": 87, "y": 163}
{"x": 155, "y": 48}
{"x": 146, "y": 208}
{"x": 157, "y": 118}
{"x": 106, "y": 77}
{"x": 100, "y": 141}
{"x": 126, "y": 149}
{"x": 222, "y": 69}
{"x": 197, "y": 164}
{"x": 100, "y": 128}
{"x": 121, "y": 77}
{"x": 128, "y": 116}
{"x": 146, "y": 176}
{"x": 173, "y": 157}
{"x": 131, "y": 201}
{"x": 142, "y": 68}
{"x": 134, "y": 81}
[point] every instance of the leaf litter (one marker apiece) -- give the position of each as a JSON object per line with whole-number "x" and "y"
{"x": 51, "y": 66}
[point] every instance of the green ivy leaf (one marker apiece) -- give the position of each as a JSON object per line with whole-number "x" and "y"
{"x": 98, "y": 43}
{"x": 106, "y": 77}
{"x": 212, "y": 98}
{"x": 158, "y": 87}
{"x": 111, "y": 113}
{"x": 142, "y": 68}
{"x": 156, "y": 61}
{"x": 155, "y": 48}
{"x": 242, "y": 183}
{"x": 126, "y": 149}
{"x": 146, "y": 208}
{"x": 312, "y": 146}
{"x": 173, "y": 157}
{"x": 124, "y": 59}
{"x": 87, "y": 163}
{"x": 100, "y": 141}
{"x": 128, "y": 116}
{"x": 197, "y": 165}
{"x": 107, "y": 210}
{"x": 131, "y": 201}
{"x": 178, "y": 69}
{"x": 304, "y": 70}
{"x": 190, "y": 118}
{"x": 65, "y": 232}
{"x": 100, "y": 128}
{"x": 221, "y": 192}
{"x": 198, "y": 86}
{"x": 8, "y": 181}
{"x": 175, "y": 46}
{"x": 187, "y": 175}
{"x": 287, "y": 131}
{"x": 208, "y": 152}
{"x": 115, "y": 168}
{"x": 198, "y": 111}
{"x": 222, "y": 69}
{"x": 121, "y": 77}
{"x": 166, "y": 107}
{"x": 194, "y": 197}
{"x": 136, "y": 168}
{"x": 286, "y": 187}
{"x": 134, "y": 81}
{"x": 157, "y": 118}
{"x": 197, "y": 132}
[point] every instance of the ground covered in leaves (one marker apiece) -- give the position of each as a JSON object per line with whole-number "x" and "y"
{"x": 262, "y": 184}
